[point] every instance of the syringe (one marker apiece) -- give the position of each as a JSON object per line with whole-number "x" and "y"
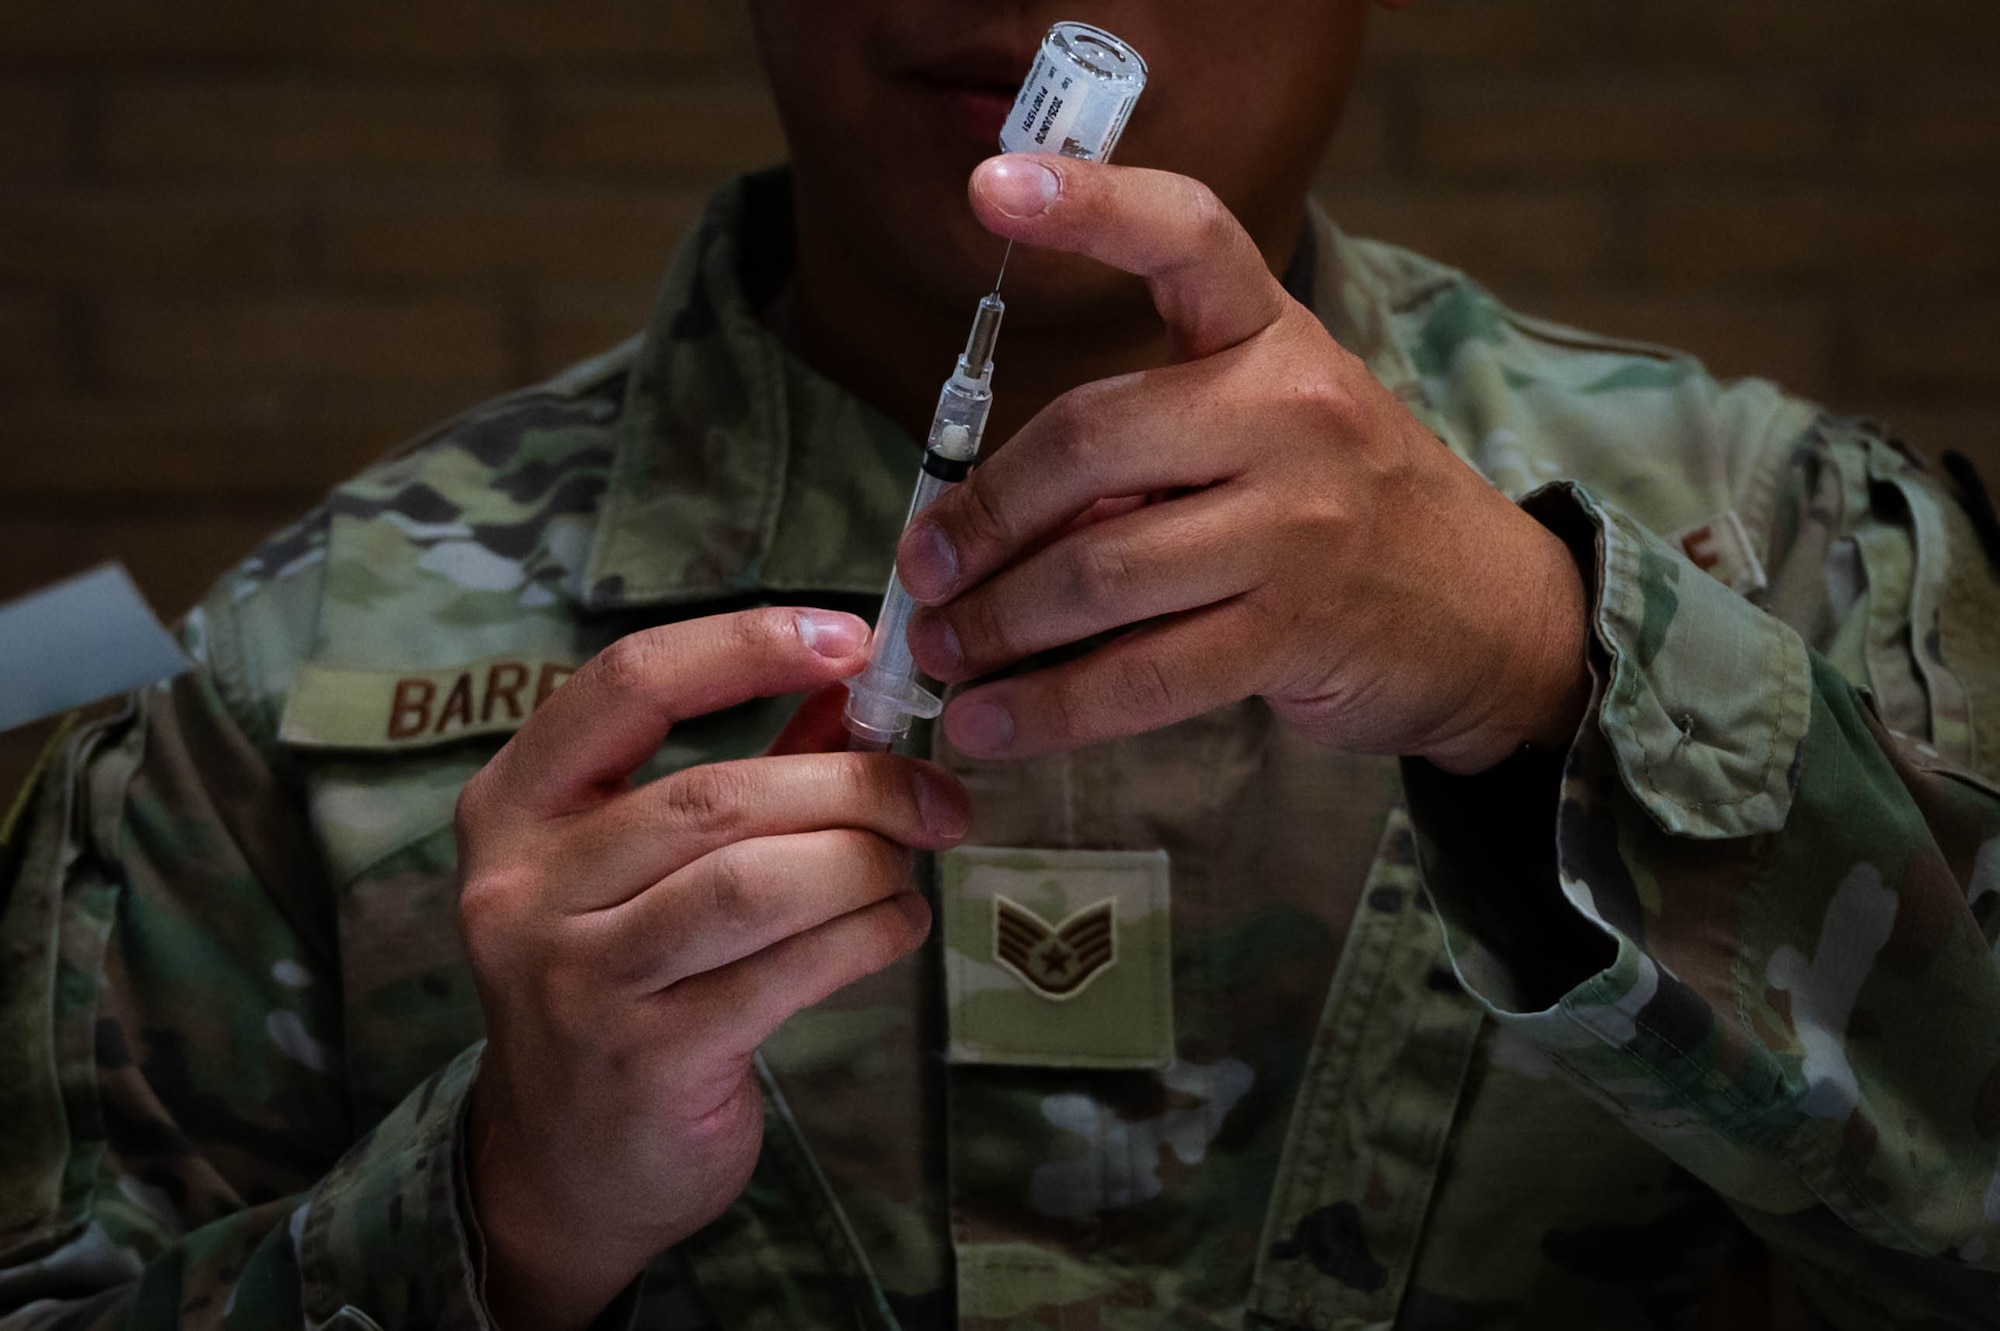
{"x": 1075, "y": 102}
{"x": 882, "y": 698}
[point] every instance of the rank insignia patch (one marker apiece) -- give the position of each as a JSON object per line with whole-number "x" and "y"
{"x": 1057, "y": 958}
{"x": 1056, "y": 962}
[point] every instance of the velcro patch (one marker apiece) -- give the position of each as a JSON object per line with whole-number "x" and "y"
{"x": 1058, "y": 958}
{"x": 1721, "y": 548}
{"x": 333, "y": 707}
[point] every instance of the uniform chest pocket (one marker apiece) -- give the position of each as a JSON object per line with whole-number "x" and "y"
{"x": 385, "y": 827}
{"x": 385, "y": 753}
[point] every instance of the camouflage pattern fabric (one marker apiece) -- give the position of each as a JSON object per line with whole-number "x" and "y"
{"x": 1546, "y": 1047}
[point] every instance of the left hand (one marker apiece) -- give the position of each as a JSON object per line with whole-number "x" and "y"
{"x": 1268, "y": 514}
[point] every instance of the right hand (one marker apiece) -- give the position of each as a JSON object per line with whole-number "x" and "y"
{"x": 634, "y": 945}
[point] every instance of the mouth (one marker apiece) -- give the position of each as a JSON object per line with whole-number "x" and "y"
{"x": 973, "y": 91}
{"x": 976, "y": 111}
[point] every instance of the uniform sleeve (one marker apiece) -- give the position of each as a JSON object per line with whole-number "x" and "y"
{"x": 178, "y": 1148}
{"x": 1762, "y": 934}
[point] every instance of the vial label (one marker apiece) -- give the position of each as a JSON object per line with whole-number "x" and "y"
{"x": 1070, "y": 106}
{"x": 1044, "y": 110}
{"x": 1048, "y": 113}
{"x": 1117, "y": 128}
{"x": 1058, "y": 117}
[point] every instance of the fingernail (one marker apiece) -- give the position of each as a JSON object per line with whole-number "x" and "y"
{"x": 932, "y": 565}
{"x": 934, "y": 639}
{"x": 1020, "y": 186}
{"x": 829, "y": 633}
{"x": 943, "y": 812}
{"x": 979, "y": 726}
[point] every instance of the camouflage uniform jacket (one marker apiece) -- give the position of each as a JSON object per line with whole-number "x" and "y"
{"x": 1722, "y": 974}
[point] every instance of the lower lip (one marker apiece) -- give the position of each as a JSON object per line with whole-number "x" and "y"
{"x": 978, "y": 113}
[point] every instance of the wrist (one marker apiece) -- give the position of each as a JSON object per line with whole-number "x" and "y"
{"x": 1559, "y": 675}
{"x": 1539, "y": 692}
{"x": 539, "y": 1268}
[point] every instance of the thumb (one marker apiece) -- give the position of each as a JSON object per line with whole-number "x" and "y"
{"x": 1206, "y": 275}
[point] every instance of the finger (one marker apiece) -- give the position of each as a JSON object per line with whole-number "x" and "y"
{"x": 1188, "y": 552}
{"x": 1151, "y": 677}
{"x": 816, "y": 726}
{"x": 1208, "y": 278}
{"x": 587, "y": 739}
{"x": 617, "y": 851}
{"x": 1113, "y": 439}
{"x": 1104, "y": 510}
{"x": 742, "y": 1003}
{"x": 743, "y": 898}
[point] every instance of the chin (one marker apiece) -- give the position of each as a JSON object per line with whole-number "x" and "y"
{"x": 913, "y": 227}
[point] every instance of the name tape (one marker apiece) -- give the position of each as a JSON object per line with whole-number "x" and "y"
{"x": 334, "y": 707}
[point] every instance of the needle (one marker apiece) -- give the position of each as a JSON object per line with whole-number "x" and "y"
{"x": 1003, "y": 268}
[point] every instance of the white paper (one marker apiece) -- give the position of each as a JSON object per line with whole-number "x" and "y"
{"x": 79, "y": 640}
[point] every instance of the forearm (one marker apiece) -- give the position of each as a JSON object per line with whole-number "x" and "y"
{"x": 1758, "y": 936}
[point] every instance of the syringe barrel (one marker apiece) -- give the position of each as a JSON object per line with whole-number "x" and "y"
{"x": 885, "y": 695}
{"x": 891, "y": 667}
{"x": 929, "y": 490}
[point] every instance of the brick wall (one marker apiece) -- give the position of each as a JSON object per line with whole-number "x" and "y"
{"x": 245, "y": 245}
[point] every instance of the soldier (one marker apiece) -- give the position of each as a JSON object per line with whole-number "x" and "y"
{"x": 1443, "y": 820}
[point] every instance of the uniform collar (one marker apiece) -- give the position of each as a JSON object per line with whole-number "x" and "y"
{"x": 740, "y": 471}
{"x": 738, "y": 468}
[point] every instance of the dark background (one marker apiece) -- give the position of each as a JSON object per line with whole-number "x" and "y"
{"x": 247, "y": 245}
